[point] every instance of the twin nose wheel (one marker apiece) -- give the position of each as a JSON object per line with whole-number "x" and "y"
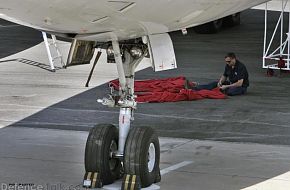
{"x": 141, "y": 157}
{"x": 101, "y": 144}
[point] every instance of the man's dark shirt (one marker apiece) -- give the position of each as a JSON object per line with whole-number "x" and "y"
{"x": 237, "y": 73}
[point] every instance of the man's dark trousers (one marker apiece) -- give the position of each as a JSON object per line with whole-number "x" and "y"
{"x": 232, "y": 91}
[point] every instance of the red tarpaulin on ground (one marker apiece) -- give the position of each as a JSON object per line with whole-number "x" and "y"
{"x": 169, "y": 90}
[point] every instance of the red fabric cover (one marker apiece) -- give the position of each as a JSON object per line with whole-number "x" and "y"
{"x": 169, "y": 90}
{"x": 156, "y": 85}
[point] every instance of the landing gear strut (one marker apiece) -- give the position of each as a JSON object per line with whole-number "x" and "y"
{"x": 133, "y": 152}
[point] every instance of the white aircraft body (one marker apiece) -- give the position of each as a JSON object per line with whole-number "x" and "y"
{"x": 125, "y": 19}
{"x": 129, "y": 30}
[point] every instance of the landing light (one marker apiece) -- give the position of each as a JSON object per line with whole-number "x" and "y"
{"x": 110, "y": 51}
{"x": 136, "y": 52}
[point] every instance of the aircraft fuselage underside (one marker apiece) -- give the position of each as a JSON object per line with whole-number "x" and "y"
{"x": 118, "y": 20}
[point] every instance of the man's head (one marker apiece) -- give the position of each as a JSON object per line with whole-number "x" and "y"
{"x": 230, "y": 59}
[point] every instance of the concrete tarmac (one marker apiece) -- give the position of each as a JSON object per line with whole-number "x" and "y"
{"x": 261, "y": 117}
{"x": 48, "y": 116}
{"x": 49, "y": 158}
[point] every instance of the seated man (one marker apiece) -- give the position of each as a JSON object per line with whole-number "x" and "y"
{"x": 234, "y": 80}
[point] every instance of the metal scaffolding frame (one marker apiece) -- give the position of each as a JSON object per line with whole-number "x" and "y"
{"x": 282, "y": 52}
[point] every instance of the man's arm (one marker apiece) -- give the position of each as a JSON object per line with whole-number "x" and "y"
{"x": 221, "y": 81}
{"x": 236, "y": 84}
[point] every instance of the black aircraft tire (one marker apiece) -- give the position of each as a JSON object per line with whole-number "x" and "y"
{"x": 232, "y": 20}
{"x": 137, "y": 158}
{"x": 101, "y": 142}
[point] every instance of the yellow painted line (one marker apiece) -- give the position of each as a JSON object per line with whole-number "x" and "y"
{"x": 89, "y": 176}
{"x": 127, "y": 182}
{"x": 281, "y": 182}
{"x": 133, "y": 182}
{"x": 95, "y": 179}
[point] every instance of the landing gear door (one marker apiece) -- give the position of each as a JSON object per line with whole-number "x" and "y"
{"x": 80, "y": 53}
{"x": 161, "y": 52}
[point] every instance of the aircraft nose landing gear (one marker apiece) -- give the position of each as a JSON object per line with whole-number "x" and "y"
{"x": 134, "y": 151}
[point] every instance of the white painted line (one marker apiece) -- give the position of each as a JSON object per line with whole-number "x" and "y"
{"x": 213, "y": 120}
{"x": 117, "y": 185}
{"x": 281, "y": 182}
{"x": 175, "y": 167}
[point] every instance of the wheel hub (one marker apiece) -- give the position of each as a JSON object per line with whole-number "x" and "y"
{"x": 112, "y": 160}
{"x": 151, "y": 157}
